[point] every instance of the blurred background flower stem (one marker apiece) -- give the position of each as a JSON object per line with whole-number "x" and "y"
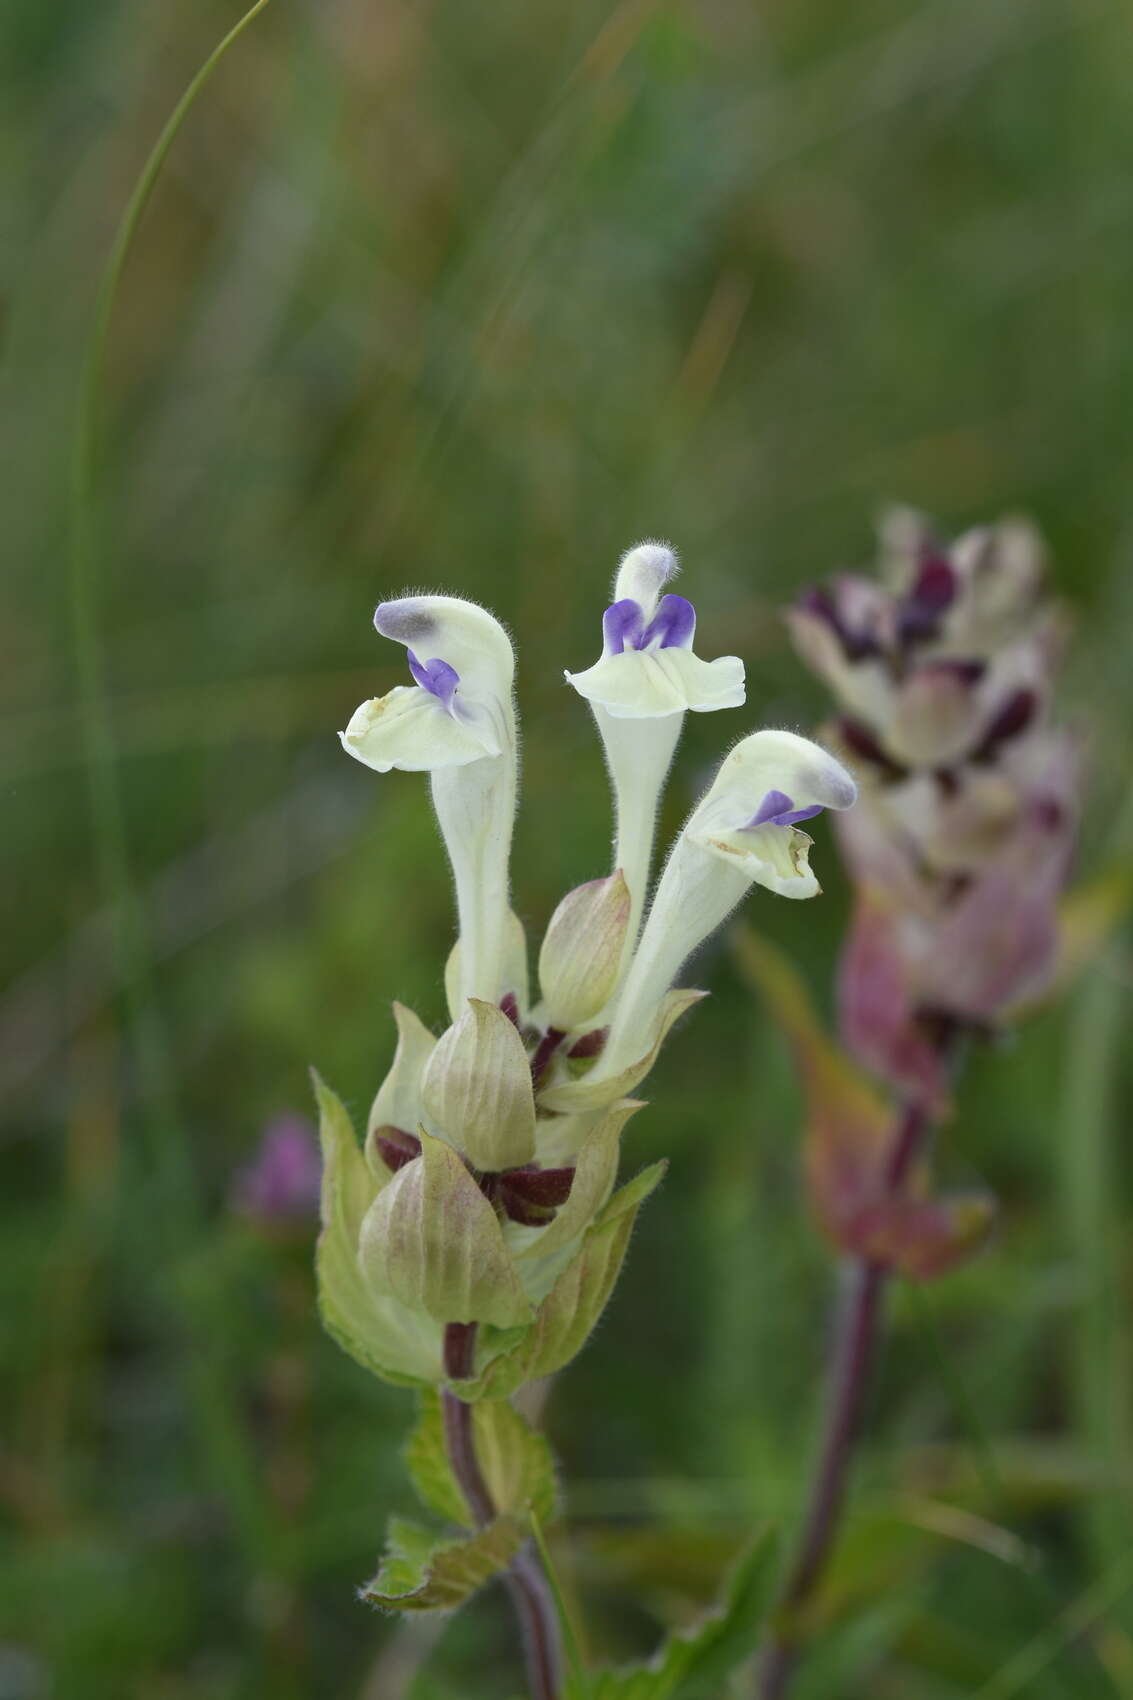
{"x": 857, "y": 1331}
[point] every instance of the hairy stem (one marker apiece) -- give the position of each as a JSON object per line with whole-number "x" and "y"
{"x": 530, "y": 1596}
{"x": 855, "y": 1347}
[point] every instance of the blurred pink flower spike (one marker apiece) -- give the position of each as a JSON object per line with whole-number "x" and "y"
{"x": 280, "y": 1186}
{"x": 920, "y": 1238}
{"x": 848, "y": 1143}
{"x": 879, "y": 1016}
{"x": 928, "y": 959}
{"x": 961, "y": 845}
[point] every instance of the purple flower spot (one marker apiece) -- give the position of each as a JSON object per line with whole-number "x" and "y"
{"x": 590, "y": 1045}
{"x": 863, "y": 742}
{"x": 777, "y": 809}
{"x": 671, "y": 627}
{"x": 935, "y": 585}
{"x": 964, "y": 672}
{"x": 546, "y": 1187}
{"x": 281, "y": 1183}
{"x": 821, "y": 604}
{"x": 396, "y": 1147}
{"x": 436, "y": 677}
{"x": 621, "y": 626}
{"x": 1010, "y": 719}
{"x": 932, "y": 594}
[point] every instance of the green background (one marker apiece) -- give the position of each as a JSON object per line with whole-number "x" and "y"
{"x": 473, "y": 297}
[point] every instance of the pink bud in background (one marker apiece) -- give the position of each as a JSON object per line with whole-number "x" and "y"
{"x": 281, "y": 1183}
{"x": 879, "y": 1004}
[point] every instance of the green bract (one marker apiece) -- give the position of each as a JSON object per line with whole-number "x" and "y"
{"x": 402, "y": 1255}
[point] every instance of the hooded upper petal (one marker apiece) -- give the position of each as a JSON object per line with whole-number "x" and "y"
{"x": 768, "y": 783}
{"x": 459, "y": 709}
{"x": 461, "y": 634}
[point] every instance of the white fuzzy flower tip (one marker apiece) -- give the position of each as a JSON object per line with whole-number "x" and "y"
{"x": 765, "y": 787}
{"x": 648, "y": 668}
{"x": 458, "y": 709}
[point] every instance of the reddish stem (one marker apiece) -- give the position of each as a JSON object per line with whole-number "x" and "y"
{"x": 855, "y": 1345}
{"x": 530, "y": 1596}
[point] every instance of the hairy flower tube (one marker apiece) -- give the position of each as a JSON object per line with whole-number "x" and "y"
{"x": 647, "y": 679}
{"x": 484, "y": 1199}
{"x": 457, "y": 723}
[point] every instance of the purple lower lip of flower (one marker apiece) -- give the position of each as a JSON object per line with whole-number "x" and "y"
{"x": 821, "y": 604}
{"x": 672, "y": 626}
{"x": 436, "y": 677}
{"x": 621, "y": 626}
{"x": 777, "y": 809}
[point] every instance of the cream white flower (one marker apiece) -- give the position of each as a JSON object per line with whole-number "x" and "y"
{"x": 648, "y": 669}
{"x": 744, "y": 831}
{"x": 640, "y": 690}
{"x": 459, "y": 708}
{"x": 457, "y": 722}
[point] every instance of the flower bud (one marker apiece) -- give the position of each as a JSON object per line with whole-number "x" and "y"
{"x": 578, "y": 964}
{"x": 477, "y": 1090}
{"x": 936, "y": 713}
{"x": 398, "y": 1101}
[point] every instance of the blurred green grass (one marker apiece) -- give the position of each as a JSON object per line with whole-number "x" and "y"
{"x": 474, "y": 298}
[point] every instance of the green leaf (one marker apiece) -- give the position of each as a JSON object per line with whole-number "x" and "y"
{"x": 516, "y": 1461}
{"x": 420, "y": 1572}
{"x": 692, "y": 1665}
{"x": 397, "y": 1344}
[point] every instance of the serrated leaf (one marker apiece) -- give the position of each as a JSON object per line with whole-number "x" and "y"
{"x": 420, "y": 1572}
{"x": 515, "y": 1459}
{"x": 693, "y": 1664}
